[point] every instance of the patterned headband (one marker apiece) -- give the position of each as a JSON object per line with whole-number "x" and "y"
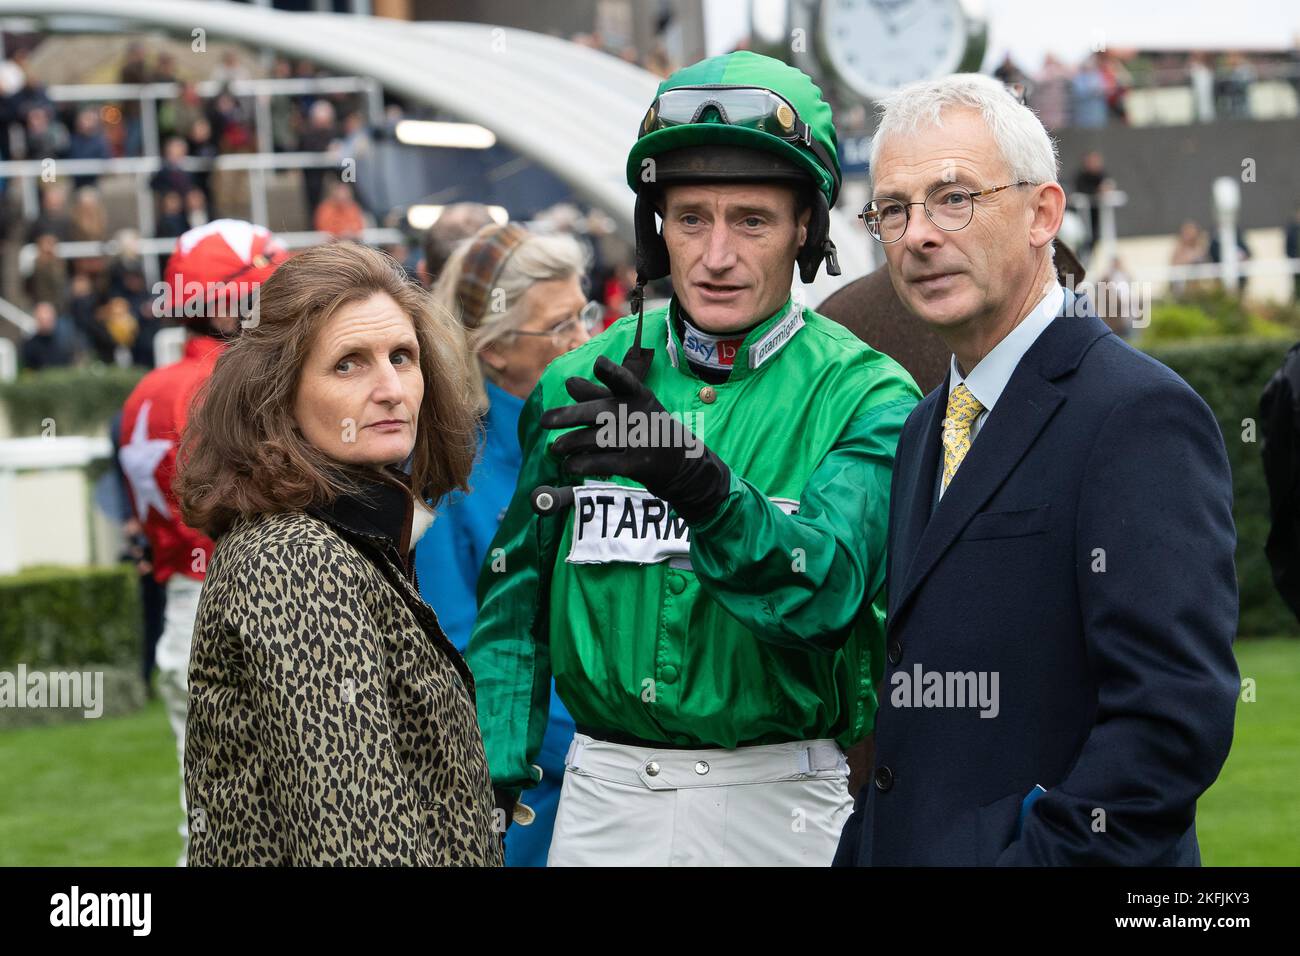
{"x": 486, "y": 256}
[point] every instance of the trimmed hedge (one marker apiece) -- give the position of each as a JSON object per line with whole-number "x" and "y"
{"x": 69, "y": 617}
{"x": 1210, "y": 312}
{"x": 80, "y": 400}
{"x": 73, "y": 619}
{"x": 122, "y": 693}
{"x": 1230, "y": 374}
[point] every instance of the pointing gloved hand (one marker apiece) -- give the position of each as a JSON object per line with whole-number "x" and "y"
{"x": 619, "y": 422}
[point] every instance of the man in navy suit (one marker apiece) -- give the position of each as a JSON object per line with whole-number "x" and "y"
{"x": 1061, "y": 685}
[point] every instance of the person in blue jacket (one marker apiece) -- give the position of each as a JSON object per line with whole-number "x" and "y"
{"x": 519, "y": 297}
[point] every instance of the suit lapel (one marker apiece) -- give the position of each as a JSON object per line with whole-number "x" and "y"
{"x": 1022, "y": 412}
{"x": 916, "y": 485}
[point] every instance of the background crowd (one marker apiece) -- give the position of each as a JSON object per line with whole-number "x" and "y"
{"x": 100, "y": 307}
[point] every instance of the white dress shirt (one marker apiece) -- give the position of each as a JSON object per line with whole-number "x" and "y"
{"x": 988, "y": 379}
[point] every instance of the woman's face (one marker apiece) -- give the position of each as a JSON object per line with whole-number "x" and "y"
{"x": 359, "y": 396}
{"x": 520, "y": 360}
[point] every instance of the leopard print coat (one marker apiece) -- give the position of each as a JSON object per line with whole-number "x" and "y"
{"x": 331, "y": 721}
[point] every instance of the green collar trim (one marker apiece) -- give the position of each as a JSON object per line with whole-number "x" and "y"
{"x": 759, "y": 345}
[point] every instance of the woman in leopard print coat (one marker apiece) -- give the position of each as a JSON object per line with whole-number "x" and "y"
{"x": 331, "y": 722}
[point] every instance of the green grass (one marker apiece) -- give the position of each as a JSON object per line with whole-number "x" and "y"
{"x": 104, "y": 792}
{"x": 1251, "y": 816}
{"x": 100, "y": 792}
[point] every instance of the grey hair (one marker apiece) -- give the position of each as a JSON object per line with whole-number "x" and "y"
{"x": 1028, "y": 150}
{"x": 538, "y": 258}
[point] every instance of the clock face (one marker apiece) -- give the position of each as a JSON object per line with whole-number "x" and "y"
{"x": 875, "y": 46}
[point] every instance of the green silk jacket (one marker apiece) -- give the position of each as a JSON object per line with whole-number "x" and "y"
{"x": 764, "y": 623}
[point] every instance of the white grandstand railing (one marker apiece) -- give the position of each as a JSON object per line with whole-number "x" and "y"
{"x": 20, "y": 319}
{"x": 163, "y": 246}
{"x": 8, "y": 360}
{"x": 1214, "y": 270}
{"x": 151, "y": 248}
{"x": 29, "y": 172}
{"x": 263, "y": 90}
{"x": 140, "y": 165}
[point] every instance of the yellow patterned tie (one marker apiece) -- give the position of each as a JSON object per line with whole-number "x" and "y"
{"x": 963, "y": 409}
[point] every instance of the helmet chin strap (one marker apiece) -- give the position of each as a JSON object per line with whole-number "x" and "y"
{"x": 818, "y": 247}
{"x": 638, "y": 357}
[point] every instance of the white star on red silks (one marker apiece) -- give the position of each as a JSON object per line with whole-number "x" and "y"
{"x": 140, "y": 458}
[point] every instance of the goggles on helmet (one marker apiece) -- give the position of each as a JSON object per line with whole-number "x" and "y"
{"x": 749, "y": 107}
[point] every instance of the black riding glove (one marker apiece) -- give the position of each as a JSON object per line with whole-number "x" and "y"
{"x": 682, "y": 471}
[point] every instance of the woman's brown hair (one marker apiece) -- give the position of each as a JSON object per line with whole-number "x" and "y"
{"x": 241, "y": 452}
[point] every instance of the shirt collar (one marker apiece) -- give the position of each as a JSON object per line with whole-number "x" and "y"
{"x": 989, "y": 377}
{"x": 760, "y": 345}
{"x": 380, "y": 510}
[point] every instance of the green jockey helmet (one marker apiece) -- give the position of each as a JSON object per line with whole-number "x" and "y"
{"x": 741, "y": 117}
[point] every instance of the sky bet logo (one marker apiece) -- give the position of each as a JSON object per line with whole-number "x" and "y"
{"x": 720, "y": 353}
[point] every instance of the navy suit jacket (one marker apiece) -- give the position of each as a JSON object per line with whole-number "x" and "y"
{"x": 1083, "y": 554}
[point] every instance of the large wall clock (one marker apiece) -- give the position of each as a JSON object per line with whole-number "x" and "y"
{"x": 874, "y": 46}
